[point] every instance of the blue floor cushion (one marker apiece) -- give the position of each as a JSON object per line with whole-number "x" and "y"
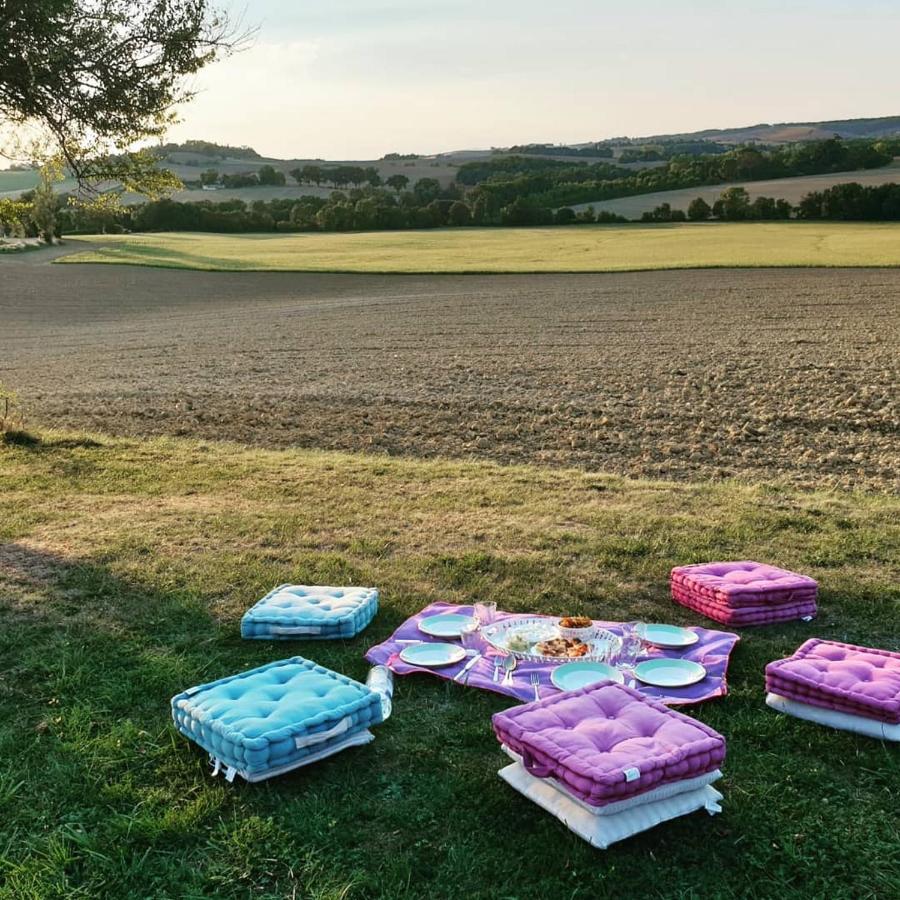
{"x": 275, "y": 718}
{"x": 310, "y": 612}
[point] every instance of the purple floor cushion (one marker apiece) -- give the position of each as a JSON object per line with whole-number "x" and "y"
{"x": 859, "y": 681}
{"x": 765, "y": 614}
{"x": 607, "y": 742}
{"x": 744, "y": 592}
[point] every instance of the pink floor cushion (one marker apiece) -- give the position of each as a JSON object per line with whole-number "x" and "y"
{"x": 745, "y": 615}
{"x": 744, "y": 592}
{"x": 607, "y": 742}
{"x": 855, "y": 680}
{"x": 744, "y": 583}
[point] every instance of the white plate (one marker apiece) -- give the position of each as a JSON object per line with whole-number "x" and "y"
{"x": 669, "y": 636}
{"x": 574, "y": 675}
{"x": 432, "y": 656}
{"x": 669, "y": 672}
{"x": 448, "y": 625}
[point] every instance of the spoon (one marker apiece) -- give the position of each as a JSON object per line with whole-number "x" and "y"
{"x": 509, "y": 663}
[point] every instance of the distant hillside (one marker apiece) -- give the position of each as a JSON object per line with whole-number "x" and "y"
{"x": 790, "y": 189}
{"x": 788, "y": 132}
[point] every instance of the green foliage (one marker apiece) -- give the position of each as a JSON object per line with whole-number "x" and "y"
{"x": 44, "y": 202}
{"x": 733, "y": 205}
{"x": 596, "y": 150}
{"x": 664, "y": 213}
{"x": 206, "y": 148}
{"x": 853, "y": 202}
{"x": 13, "y": 216}
{"x": 555, "y": 183}
{"x": 269, "y": 175}
{"x": 699, "y": 210}
{"x": 94, "y": 78}
{"x": 398, "y": 182}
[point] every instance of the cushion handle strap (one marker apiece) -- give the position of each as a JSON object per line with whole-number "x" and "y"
{"x": 307, "y": 740}
{"x": 295, "y": 629}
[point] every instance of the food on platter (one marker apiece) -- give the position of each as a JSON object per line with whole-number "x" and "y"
{"x": 518, "y": 643}
{"x": 563, "y": 648}
{"x": 575, "y": 622}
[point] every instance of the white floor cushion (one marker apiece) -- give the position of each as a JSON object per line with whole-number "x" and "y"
{"x": 834, "y": 719}
{"x": 603, "y": 830}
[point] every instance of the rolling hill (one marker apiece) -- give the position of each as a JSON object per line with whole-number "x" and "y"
{"x": 791, "y": 189}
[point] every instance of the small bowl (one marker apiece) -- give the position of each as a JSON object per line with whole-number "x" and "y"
{"x": 585, "y": 634}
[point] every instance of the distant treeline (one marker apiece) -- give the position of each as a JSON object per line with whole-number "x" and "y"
{"x": 206, "y": 148}
{"x": 843, "y": 202}
{"x": 554, "y": 183}
{"x": 596, "y": 150}
{"x": 337, "y": 176}
{"x": 429, "y": 206}
{"x": 635, "y": 151}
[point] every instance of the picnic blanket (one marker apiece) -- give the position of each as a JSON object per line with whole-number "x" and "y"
{"x": 712, "y": 651}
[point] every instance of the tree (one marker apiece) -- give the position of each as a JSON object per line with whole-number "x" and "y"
{"x": 699, "y": 210}
{"x": 372, "y": 176}
{"x": 311, "y": 175}
{"x": 733, "y": 205}
{"x": 426, "y": 190}
{"x": 12, "y": 217}
{"x": 458, "y": 214}
{"x": 270, "y": 175}
{"x": 44, "y": 202}
{"x": 93, "y": 77}
{"x": 565, "y": 216}
{"x": 397, "y": 182}
{"x": 210, "y": 176}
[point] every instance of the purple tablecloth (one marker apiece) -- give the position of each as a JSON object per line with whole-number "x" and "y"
{"x": 712, "y": 650}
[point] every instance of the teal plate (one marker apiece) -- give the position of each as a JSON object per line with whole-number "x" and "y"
{"x": 669, "y": 672}
{"x": 432, "y": 656}
{"x": 669, "y": 636}
{"x": 448, "y": 625}
{"x": 574, "y": 675}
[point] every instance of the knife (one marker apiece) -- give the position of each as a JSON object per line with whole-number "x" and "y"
{"x": 466, "y": 667}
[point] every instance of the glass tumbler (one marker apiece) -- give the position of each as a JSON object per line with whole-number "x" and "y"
{"x": 631, "y": 646}
{"x": 485, "y": 612}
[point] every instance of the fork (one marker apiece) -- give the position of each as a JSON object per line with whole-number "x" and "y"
{"x": 536, "y": 684}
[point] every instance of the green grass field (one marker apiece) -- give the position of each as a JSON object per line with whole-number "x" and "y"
{"x": 18, "y": 180}
{"x": 576, "y": 249}
{"x": 125, "y": 567}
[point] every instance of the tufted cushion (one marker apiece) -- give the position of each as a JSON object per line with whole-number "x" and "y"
{"x": 304, "y": 611}
{"x": 745, "y": 615}
{"x": 855, "y": 680}
{"x": 744, "y": 592}
{"x": 744, "y": 583}
{"x": 607, "y": 742}
{"x": 274, "y": 716}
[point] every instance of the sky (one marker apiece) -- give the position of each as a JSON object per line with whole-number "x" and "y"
{"x": 354, "y": 79}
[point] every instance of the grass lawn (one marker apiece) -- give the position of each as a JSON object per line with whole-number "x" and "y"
{"x": 18, "y": 180}
{"x": 125, "y": 566}
{"x": 576, "y": 249}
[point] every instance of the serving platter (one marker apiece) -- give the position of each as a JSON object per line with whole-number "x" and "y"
{"x": 520, "y": 635}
